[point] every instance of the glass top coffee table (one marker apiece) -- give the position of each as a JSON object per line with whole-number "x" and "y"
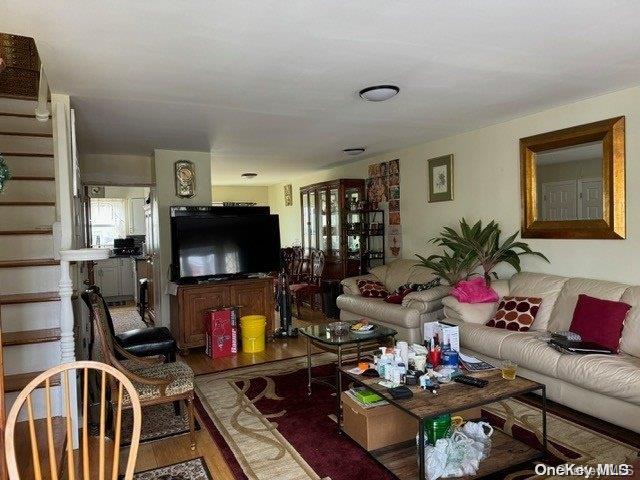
{"x": 319, "y": 336}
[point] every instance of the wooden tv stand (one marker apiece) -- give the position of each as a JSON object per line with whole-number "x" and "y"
{"x": 254, "y": 296}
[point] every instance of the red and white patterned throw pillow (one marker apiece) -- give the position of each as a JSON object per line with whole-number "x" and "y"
{"x": 372, "y": 289}
{"x": 515, "y": 313}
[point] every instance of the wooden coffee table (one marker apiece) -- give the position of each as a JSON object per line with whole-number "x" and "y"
{"x": 505, "y": 451}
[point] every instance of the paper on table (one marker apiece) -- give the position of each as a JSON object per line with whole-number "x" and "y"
{"x": 468, "y": 358}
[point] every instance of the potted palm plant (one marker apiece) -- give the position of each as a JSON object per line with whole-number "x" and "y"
{"x": 477, "y": 246}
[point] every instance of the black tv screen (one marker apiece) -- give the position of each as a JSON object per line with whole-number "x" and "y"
{"x": 223, "y": 245}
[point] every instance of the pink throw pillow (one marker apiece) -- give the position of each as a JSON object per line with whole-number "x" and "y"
{"x": 474, "y": 291}
{"x": 599, "y": 321}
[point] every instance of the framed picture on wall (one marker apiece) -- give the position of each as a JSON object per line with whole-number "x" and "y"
{"x": 440, "y": 178}
{"x": 288, "y": 195}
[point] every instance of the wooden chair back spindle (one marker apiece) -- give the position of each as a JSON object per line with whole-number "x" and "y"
{"x": 69, "y": 468}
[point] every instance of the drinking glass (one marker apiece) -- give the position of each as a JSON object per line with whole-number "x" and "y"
{"x": 509, "y": 370}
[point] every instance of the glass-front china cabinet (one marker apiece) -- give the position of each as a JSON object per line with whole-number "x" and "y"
{"x": 327, "y": 209}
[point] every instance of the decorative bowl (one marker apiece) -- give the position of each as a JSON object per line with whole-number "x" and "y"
{"x": 339, "y": 329}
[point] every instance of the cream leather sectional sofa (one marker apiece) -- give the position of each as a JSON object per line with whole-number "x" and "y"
{"x": 605, "y": 386}
{"x": 407, "y": 319}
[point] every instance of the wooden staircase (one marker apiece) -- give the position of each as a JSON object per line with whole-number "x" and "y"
{"x": 29, "y": 301}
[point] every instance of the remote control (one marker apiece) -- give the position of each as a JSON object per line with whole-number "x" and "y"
{"x": 474, "y": 382}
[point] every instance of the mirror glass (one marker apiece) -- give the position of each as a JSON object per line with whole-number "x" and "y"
{"x": 569, "y": 183}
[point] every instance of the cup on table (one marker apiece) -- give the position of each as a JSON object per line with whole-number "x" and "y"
{"x": 420, "y": 362}
{"x": 435, "y": 357}
{"x": 508, "y": 369}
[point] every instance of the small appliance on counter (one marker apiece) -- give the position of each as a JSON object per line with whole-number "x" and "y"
{"x": 127, "y": 247}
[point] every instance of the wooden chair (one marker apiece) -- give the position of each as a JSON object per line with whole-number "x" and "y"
{"x": 155, "y": 381}
{"x": 308, "y": 285}
{"x": 87, "y": 469}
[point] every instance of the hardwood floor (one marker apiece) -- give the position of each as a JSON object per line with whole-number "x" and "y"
{"x": 278, "y": 349}
{"x": 176, "y": 449}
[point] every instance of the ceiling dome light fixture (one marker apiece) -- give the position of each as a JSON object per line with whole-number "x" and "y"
{"x": 249, "y": 175}
{"x": 354, "y": 151}
{"x": 379, "y": 93}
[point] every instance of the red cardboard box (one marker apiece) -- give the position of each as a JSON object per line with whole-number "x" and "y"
{"x": 221, "y": 332}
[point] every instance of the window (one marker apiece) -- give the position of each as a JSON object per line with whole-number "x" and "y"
{"x": 107, "y": 220}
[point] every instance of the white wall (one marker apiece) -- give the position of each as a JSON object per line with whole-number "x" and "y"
{"x": 166, "y": 196}
{"x": 487, "y": 186}
{"x": 101, "y": 169}
{"x": 241, "y": 193}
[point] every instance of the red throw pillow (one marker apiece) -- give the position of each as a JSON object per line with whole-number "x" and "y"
{"x": 372, "y": 289}
{"x": 397, "y": 296}
{"x": 599, "y": 321}
{"x": 515, "y": 313}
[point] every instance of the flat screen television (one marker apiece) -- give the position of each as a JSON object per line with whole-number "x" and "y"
{"x": 209, "y": 245}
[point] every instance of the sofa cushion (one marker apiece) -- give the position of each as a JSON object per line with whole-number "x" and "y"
{"x": 377, "y": 309}
{"x": 547, "y": 287}
{"x": 562, "y": 314}
{"x": 515, "y": 313}
{"x": 478, "y": 313}
{"x": 630, "y": 340}
{"x": 527, "y": 351}
{"x": 614, "y": 375}
{"x": 483, "y": 339}
{"x": 599, "y": 321}
{"x": 402, "y": 271}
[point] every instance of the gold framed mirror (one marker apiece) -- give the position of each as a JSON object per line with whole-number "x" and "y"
{"x": 573, "y": 182}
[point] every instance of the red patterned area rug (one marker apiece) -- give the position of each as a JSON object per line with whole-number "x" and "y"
{"x": 268, "y": 428}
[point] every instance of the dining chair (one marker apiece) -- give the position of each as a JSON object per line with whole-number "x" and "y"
{"x": 155, "y": 381}
{"x": 308, "y": 285}
{"x": 86, "y": 469}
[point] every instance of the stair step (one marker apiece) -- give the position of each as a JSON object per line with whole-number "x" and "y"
{"x": 27, "y": 217}
{"x": 29, "y": 191}
{"x": 23, "y": 447}
{"x": 23, "y": 105}
{"x": 15, "y": 298}
{"x": 20, "y": 122}
{"x": 23, "y": 154}
{"x": 28, "y": 204}
{"x": 30, "y": 336}
{"x": 36, "y": 243}
{"x": 35, "y": 178}
{"x": 22, "y": 143}
{"x": 27, "y": 134}
{"x": 22, "y": 165}
{"x": 40, "y": 231}
{"x": 36, "y": 262}
{"x": 15, "y": 383}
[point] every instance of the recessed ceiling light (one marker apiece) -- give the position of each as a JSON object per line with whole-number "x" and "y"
{"x": 354, "y": 151}
{"x": 249, "y": 175}
{"x": 379, "y": 93}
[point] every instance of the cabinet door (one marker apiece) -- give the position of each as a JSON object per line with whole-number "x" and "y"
{"x": 127, "y": 280}
{"x": 108, "y": 277}
{"x": 323, "y": 217}
{"x": 253, "y": 299}
{"x": 195, "y": 303}
{"x": 136, "y": 216}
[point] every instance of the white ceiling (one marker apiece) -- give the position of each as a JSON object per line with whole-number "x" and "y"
{"x": 270, "y": 86}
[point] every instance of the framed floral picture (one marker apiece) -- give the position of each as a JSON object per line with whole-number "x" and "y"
{"x": 288, "y": 195}
{"x": 440, "y": 178}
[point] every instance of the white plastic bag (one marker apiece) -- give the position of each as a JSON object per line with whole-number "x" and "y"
{"x": 460, "y": 454}
{"x": 481, "y": 433}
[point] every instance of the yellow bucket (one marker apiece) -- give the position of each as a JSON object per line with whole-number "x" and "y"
{"x": 252, "y": 328}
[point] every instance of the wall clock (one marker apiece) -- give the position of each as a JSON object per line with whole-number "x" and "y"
{"x": 185, "y": 179}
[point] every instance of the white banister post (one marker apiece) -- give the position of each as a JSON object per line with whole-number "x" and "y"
{"x": 42, "y": 112}
{"x": 67, "y": 338}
